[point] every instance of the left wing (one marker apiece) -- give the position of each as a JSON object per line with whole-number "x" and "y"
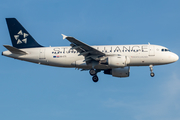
{"x": 87, "y": 51}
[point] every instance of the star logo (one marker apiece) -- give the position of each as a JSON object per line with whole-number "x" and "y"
{"x": 21, "y": 37}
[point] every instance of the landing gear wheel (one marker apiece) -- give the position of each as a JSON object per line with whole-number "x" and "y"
{"x": 95, "y": 78}
{"x": 151, "y": 69}
{"x": 92, "y": 72}
{"x": 152, "y": 74}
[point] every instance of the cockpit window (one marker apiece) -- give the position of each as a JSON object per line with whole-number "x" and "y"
{"x": 165, "y": 50}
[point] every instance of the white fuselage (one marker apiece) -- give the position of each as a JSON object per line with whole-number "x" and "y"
{"x": 139, "y": 55}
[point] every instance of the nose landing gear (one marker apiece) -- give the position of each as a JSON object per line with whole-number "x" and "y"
{"x": 151, "y": 69}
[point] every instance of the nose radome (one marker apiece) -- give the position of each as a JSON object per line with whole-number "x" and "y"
{"x": 175, "y": 57}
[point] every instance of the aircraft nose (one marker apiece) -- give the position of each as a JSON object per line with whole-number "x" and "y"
{"x": 175, "y": 57}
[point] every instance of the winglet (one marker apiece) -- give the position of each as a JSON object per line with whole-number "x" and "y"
{"x": 64, "y": 36}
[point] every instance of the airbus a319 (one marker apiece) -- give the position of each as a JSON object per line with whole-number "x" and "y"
{"x": 113, "y": 60}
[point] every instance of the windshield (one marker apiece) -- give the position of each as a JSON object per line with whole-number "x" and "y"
{"x": 165, "y": 50}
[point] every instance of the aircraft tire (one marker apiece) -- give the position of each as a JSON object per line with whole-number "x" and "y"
{"x": 152, "y": 74}
{"x": 95, "y": 78}
{"x": 92, "y": 72}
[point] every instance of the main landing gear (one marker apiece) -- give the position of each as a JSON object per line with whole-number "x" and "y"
{"x": 93, "y": 73}
{"x": 151, "y": 69}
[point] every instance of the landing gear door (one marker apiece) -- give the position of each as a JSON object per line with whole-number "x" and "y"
{"x": 151, "y": 50}
{"x": 42, "y": 54}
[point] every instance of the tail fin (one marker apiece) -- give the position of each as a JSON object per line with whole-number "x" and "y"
{"x": 19, "y": 36}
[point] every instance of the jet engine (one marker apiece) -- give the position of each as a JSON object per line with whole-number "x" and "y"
{"x": 118, "y": 72}
{"x": 116, "y": 61}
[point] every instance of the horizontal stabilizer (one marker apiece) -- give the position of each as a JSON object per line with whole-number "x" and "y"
{"x": 14, "y": 50}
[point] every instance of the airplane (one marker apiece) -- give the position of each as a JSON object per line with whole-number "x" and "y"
{"x": 114, "y": 60}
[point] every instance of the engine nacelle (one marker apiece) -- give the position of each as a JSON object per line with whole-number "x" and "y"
{"x": 116, "y": 61}
{"x": 118, "y": 72}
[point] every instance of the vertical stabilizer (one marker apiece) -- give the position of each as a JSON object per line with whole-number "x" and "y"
{"x": 19, "y": 35}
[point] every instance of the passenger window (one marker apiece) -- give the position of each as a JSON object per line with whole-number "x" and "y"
{"x": 162, "y": 49}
